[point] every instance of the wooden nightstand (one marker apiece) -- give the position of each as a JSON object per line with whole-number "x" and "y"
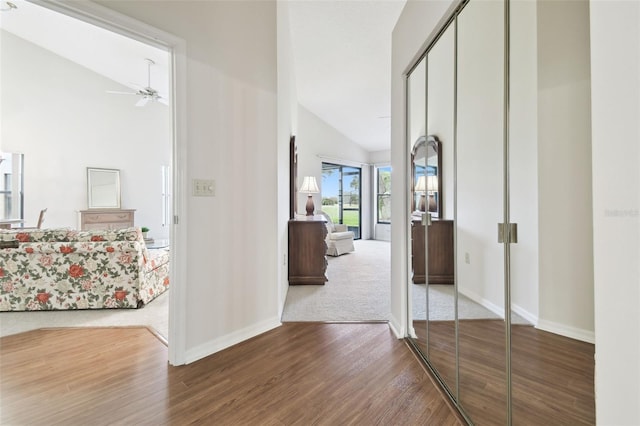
{"x": 307, "y": 251}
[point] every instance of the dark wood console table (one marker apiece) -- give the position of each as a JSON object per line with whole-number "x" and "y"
{"x": 307, "y": 251}
{"x": 441, "y": 267}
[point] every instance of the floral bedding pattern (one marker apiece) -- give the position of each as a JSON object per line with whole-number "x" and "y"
{"x": 87, "y": 270}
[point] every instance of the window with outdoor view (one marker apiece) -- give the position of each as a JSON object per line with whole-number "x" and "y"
{"x": 341, "y": 195}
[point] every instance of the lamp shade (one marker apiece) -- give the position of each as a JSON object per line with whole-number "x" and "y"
{"x": 432, "y": 183}
{"x": 421, "y": 185}
{"x": 309, "y": 185}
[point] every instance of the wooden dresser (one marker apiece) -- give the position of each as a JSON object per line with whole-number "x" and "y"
{"x": 441, "y": 263}
{"x": 307, "y": 251}
{"x": 105, "y": 219}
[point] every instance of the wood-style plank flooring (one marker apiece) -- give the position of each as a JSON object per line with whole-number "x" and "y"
{"x": 297, "y": 374}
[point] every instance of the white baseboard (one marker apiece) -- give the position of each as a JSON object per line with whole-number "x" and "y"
{"x": 567, "y": 331}
{"x": 533, "y": 319}
{"x": 230, "y": 339}
{"x": 498, "y": 310}
{"x": 550, "y": 326}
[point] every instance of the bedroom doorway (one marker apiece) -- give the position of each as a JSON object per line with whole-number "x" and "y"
{"x": 124, "y": 27}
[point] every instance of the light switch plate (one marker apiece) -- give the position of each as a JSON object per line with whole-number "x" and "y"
{"x": 204, "y": 187}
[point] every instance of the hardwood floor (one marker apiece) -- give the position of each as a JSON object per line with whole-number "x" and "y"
{"x": 552, "y": 375}
{"x": 300, "y": 373}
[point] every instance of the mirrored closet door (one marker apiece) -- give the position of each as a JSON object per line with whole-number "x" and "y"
{"x": 439, "y": 238}
{"x": 473, "y": 287}
{"x": 479, "y": 208}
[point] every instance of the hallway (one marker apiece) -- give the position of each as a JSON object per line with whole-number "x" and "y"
{"x": 300, "y": 373}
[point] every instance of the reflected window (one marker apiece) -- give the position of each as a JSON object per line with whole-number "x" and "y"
{"x": 384, "y": 194}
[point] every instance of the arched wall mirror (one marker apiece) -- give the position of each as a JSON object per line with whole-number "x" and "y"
{"x": 426, "y": 176}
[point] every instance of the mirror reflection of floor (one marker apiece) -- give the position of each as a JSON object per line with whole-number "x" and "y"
{"x": 552, "y": 375}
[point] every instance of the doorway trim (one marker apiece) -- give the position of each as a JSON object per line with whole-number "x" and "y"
{"x": 176, "y": 47}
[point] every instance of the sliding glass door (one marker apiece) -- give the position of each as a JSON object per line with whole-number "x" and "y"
{"x": 341, "y": 195}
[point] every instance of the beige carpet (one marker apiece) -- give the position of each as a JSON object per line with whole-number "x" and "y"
{"x": 358, "y": 288}
{"x": 154, "y": 315}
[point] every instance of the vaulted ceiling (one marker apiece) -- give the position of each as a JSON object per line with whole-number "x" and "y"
{"x": 342, "y": 59}
{"x": 341, "y": 50}
{"x": 112, "y": 55}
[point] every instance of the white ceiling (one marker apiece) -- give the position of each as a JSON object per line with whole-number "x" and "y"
{"x": 342, "y": 59}
{"x": 341, "y": 49}
{"x": 114, "y": 56}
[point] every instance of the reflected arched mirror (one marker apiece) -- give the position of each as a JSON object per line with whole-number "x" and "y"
{"x": 426, "y": 175}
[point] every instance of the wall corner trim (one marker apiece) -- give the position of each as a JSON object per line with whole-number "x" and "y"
{"x": 396, "y": 328}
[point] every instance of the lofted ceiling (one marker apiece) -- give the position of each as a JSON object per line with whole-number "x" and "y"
{"x": 342, "y": 60}
{"x": 109, "y": 54}
{"x": 341, "y": 50}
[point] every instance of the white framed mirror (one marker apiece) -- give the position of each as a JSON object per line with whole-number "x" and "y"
{"x": 103, "y": 188}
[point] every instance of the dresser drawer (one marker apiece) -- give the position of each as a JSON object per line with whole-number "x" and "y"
{"x": 106, "y": 219}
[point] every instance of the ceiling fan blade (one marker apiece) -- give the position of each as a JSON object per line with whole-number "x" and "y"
{"x": 163, "y": 100}
{"x": 135, "y": 86}
{"x": 142, "y": 102}
{"x": 120, "y": 93}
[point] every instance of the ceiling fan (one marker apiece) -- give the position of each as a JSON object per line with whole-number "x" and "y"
{"x": 147, "y": 93}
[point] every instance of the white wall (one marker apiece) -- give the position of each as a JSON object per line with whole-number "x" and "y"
{"x": 232, "y": 286}
{"x": 287, "y": 126}
{"x": 318, "y": 142}
{"x": 380, "y": 158}
{"x": 615, "y": 109}
{"x": 60, "y": 117}
{"x": 565, "y": 251}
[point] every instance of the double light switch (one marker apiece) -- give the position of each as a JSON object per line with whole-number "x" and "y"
{"x": 204, "y": 187}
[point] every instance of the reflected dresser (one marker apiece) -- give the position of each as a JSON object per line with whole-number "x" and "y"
{"x": 441, "y": 267}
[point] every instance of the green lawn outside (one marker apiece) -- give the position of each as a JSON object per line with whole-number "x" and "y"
{"x": 350, "y": 217}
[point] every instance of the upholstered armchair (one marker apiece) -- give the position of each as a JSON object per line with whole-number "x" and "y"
{"x": 339, "y": 239}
